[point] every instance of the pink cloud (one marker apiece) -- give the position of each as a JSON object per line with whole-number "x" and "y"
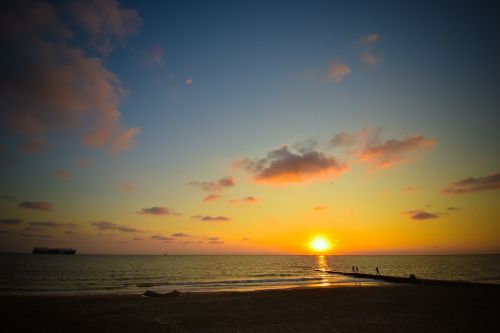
{"x": 474, "y": 184}
{"x": 282, "y": 166}
{"x": 189, "y": 82}
{"x": 216, "y": 185}
{"x": 128, "y": 187}
{"x": 62, "y": 174}
{"x": 392, "y": 152}
{"x": 38, "y": 205}
{"x": 212, "y": 197}
{"x": 245, "y": 200}
{"x": 368, "y": 146}
{"x": 59, "y": 88}
{"x": 368, "y": 56}
{"x": 338, "y": 71}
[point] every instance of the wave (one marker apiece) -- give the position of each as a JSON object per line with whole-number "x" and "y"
{"x": 228, "y": 282}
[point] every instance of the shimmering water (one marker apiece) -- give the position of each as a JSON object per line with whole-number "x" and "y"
{"x": 64, "y": 274}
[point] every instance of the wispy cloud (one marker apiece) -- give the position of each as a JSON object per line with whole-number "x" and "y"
{"x": 474, "y": 184}
{"x": 422, "y": 214}
{"x": 368, "y": 56}
{"x": 54, "y": 86}
{"x": 214, "y": 240}
{"x": 180, "y": 234}
{"x": 320, "y": 208}
{"x": 158, "y": 211}
{"x": 62, "y": 174}
{"x": 38, "y": 205}
{"x": 105, "y": 225}
{"x": 282, "y": 166}
{"x": 189, "y": 82}
{"x": 207, "y": 218}
{"x": 369, "y": 147}
{"x": 128, "y": 187}
{"x": 53, "y": 224}
{"x": 13, "y": 221}
{"x": 216, "y": 185}
{"x": 338, "y": 71}
{"x": 245, "y": 200}
{"x": 212, "y": 197}
{"x": 162, "y": 238}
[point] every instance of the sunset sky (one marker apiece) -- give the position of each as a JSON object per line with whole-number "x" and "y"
{"x": 235, "y": 127}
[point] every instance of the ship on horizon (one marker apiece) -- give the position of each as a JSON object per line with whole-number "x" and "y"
{"x": 47, "y": 250}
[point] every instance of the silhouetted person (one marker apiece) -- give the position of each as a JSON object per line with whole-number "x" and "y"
{"x": 353, "y": 269}
{"x": 357, "y": 270}
{"x": 377, "y": 270}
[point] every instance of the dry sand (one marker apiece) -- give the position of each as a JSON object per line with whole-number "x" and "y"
{"x": 392, "y": 308}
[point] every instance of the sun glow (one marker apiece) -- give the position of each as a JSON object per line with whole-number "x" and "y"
{"x": 320, "y": 244}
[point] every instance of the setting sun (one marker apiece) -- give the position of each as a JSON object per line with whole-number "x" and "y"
{"x": 320, "y": 244}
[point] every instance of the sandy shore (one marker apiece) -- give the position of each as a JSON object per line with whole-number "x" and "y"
{"x": 398, "y": 308}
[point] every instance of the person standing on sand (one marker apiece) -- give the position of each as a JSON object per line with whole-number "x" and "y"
{"x": 377, "y": 270}
{"x": 357, "y": 270}
{"x": 353, "y": 269}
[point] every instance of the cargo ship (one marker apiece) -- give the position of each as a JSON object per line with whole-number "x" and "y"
{"x": 46, "y": 250}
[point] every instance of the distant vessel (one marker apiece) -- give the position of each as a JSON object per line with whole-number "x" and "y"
{"x": 46, "y": 250}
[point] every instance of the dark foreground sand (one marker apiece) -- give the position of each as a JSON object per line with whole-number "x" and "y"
{"x": 398, "y": 308}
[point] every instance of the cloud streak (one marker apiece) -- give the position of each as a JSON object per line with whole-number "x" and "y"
{"x": 37, "y": 205}
{"x": 282, "y": 166}
{"x": 105, "y": 225}
{"x": 422, "y": 215}
{"x": 13, "y": 221}
{"x": 474, "y": 184}
{"x": 245, "y": 200}
{"x": 215, "y": 185}
{"x": 207, "y": 218}
{"x": 158, "y": 211}
{"x": 212, "y": 197}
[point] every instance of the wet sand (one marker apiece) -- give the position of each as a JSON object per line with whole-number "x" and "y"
{"x": 391, "y": 308}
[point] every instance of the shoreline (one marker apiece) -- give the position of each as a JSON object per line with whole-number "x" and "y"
{"x": 389, "y": 307}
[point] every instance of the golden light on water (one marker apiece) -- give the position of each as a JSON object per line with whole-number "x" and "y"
{"x": 320, "y": 244}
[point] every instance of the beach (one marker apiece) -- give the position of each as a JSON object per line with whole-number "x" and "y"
{"x": 385, "y": 308}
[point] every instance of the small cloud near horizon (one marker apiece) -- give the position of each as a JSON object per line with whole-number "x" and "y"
{"x": 157, "y": 211}
{"x": 422, "y": 214}
{"x": 245, "y": 200}
{"x": 474, "y": 184}
{"x": 180, "y": 234}
{"x": 216, "y": 185}
{"x": 162, "y": 238}
{"x": 212, "y": 197}
{"x": 12, "y": 221}
{"x": 37, "y": 205}
{"x": 320, "y": 208}
{"x": 105, "y": 225}
{"x": 207, "y": 218}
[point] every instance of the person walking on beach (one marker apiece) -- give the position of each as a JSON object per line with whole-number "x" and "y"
{"x": 377, "y": 270}
{"x": 357, "y": 270}
{"x": 353, "y": 269}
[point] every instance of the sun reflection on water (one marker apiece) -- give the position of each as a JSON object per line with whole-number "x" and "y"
{"x": 322, "y": 265}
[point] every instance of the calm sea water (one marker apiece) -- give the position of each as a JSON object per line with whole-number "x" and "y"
{"x": 101, "y": 274}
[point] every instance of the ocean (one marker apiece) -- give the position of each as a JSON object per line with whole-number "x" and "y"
{"x": 116, "y": 274}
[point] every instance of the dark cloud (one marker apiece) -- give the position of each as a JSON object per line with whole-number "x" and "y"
{"x": 214, "y": 240}
{"x": 52, "y": 224}
{"x": 137, "y": 238}
{"x": 282, "y": 166}
{"x": 245, "y": 239}
{"x": 30, "y": 235}
{"x": 180, "y": 234}
{"x": 7, "y": 198}
{"x": 452, "y": 208}
{"x": 12, "y": 221}
{"x": 473, "y": 184}
{"x": 162, "y": 238}
{"x": 216, "y": 185}
{"x": 207, "y": 218}
{"x": 318, "y": 208}
{"x": 157, "y": 211}
{"x": 105, "y": 225}
{"x": 49, "y": 84}
{"x": 422, "y": 215}
{"x": 38, "y": 205}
